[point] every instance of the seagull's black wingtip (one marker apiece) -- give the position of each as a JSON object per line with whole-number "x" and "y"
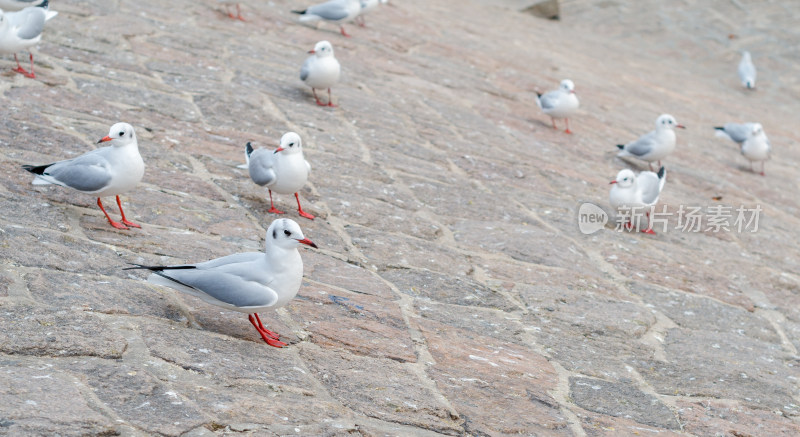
{"x": 661, "y": 172}
{"x": 620, "y": 146}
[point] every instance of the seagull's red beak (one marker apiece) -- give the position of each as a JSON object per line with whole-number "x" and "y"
{"x": 104, "y": 139}
{"x": 307, "y": 242}
{"x": 680, "y": 126}
{"x": 279, "y": 149}
{"x": 312, "y": 51}
{"x": 612, "y": 182}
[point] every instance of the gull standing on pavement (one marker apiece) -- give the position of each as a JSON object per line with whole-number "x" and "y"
{"x": 747, "y": 71}
{"x": 560, "y": 103}
{"x": 631, "y": 191}
{"x": 752, "y": 139}
{"x": 283, "y": 170}
{"x": 321, "y": 70}
{"x": 107, "y": 171}
{"x": 654, "y": 145}
{"x": 248, "y": 282}
{"x": 332, "y": 11}
{"x": 20, "y": 31}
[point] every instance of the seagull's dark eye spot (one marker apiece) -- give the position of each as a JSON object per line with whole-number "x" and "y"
{"x": 274, "y": 234}
{"x": 122, "y": 134}
{"x": 291, "y": 144}
{"x": 287, "y": 233}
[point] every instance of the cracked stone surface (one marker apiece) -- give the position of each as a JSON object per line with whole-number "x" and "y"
{"x": 452, "y": 292}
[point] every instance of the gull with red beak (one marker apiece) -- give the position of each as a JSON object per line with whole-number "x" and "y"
{"x": 283, "y": 170}
{"x": 633, "y": 192}
{"x": 654, "y": 145}
{"x": 321, "y": 70}
{"x": 107, "y": 171}
{"x": 560, "y": 103}
{"x": 248, "y": 282}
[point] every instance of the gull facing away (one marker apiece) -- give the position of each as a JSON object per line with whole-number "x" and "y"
{"x": 632, "y": 191}
{"x": 321, "y": 70}
{"x": 248, "y": 282}
{"x": 754, "y": 143}
{"x": 107, "y": 171}
{"x": 367, "y": 6}
{"x": 283, "y": 170}
{"x": 332, "y": 11}
{"x": 21, "y": 30}
{"x": 747, "y": 71}
{"x": 560, "y": 103}
{"x": 654, "y": 145}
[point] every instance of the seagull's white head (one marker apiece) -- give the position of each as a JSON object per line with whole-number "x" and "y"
{"x": 290, "y": 143}
{"x": 757, "y": 130}
{"x": 286, "y": 234}
{"x": 120, "y": 134}
{"x": 567, "y": 86}
{"x": 322, "y": 49}
{"x": 666, "y": 121}
{"x": 625, "y": 178}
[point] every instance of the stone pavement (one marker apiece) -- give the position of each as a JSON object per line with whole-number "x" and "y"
{"x": 452, "y": 293}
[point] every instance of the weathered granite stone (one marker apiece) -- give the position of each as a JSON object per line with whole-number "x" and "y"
{"x": 621, "y": 400}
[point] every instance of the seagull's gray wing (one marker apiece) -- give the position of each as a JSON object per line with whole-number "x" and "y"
{"x": 331, "y": 10}
{"x": 549, "y": 100}
{"x": 28, "y": 23}
{"x": 261, "y": 167}
{"x": 233, "y": 284}
{"x": 650, "y": 185}
{"x": 643, "y": 145}
{"x": 304, "y": 70}
{"x": 738, "y": 132}
{"x": 88, "y": 173}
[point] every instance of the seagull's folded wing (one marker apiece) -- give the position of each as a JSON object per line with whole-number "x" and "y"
{"x": 261, "y": 167}
{"x": 650, "y": 186}
{"x": 331, "y": 10}
{"x": 88, "y": 173}
{"x": 644, "y": 145}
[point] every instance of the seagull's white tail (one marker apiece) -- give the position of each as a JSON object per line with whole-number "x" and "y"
{"x": 721, "y": 133}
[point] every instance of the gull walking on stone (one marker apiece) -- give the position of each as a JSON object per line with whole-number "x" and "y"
{"x": 107, "y": 171}
{"x": 283, "y": 170}
{"x": 754, "y": 143}
{"x": 20, "y": 31}
{"x": 321, "y": 70}
{"x": 560, "y": 103}
{"x": 631, "y": 191}
{"x": 747, "y": 71}
{"x": 332, "y": 11}
{"x": 654, "y": 145}
{"x": 248, "y": 282}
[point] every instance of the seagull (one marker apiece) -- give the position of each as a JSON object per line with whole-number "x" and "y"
{"x": 334, "y": 11}
{"x": 283, "y": 170}
{"x": 107, "y": 171}
{"x": 747, "y": 71}
{"x": 631, "y": 191}
{"x": 752, "y": 139}
{"x": 367, "y": 6}
{"x": 22, "y": 30}
{"x": 654, "y": 145}
{"x": 321, "y": 70}
{"x": 560, "y": 103}
{"x": 248, "y": 282}
{"x": 18, "y": 5}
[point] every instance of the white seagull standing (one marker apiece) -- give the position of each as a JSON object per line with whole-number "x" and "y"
{"x": 654, "y": 145}
{"x": 752, "y": 139}
{"x": 21, "y": 30}
{"x": 747, "y": 71}
{"x": 107, "y": 171}
{"x": 283, "y": 170}
{"x": 248, "y": 282}
{"x": 560, "y": 103}
{"x": 367, "y": 6}
{"x": 321, "y": 70}
{"x": 332, "y": 11}
{"x": 631, "y": 191}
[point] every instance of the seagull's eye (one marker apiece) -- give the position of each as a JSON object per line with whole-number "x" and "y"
{"x": 291, "y": 144}
{"x": 122, "y": 134}
{"x": 287, "y": 233}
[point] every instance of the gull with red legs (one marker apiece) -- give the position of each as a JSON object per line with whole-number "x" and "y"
{"x": 631, "y": 191}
